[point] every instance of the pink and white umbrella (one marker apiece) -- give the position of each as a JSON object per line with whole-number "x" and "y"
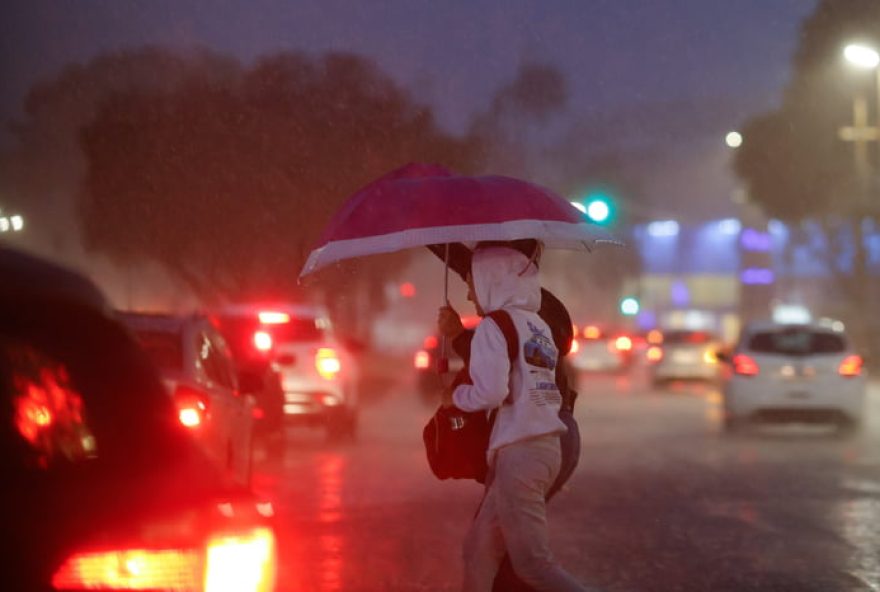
{"x": 421, "y": 205}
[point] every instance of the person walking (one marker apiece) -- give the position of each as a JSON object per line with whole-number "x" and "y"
{"x": 524, "y": 454}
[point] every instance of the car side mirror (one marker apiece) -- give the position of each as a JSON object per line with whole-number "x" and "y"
{"x": 250, "y": 382}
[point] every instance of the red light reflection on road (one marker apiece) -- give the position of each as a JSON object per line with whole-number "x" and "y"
{"x": 330, "y": 469}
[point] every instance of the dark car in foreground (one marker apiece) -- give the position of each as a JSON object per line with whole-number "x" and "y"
{"x": 103, "y": 488}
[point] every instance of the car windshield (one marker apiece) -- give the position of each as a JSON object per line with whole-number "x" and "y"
{"x": 164, "y": 348}
{"x": 797, "y": 342}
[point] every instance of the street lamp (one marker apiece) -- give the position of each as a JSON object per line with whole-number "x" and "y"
{"x": 864, "y": 57}
{"x": 733, "y": 139}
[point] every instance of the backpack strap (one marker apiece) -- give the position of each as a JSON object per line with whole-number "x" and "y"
{"x": 505, "y": 323}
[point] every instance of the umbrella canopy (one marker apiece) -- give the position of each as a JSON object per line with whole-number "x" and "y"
{"x": 420, "y": 204}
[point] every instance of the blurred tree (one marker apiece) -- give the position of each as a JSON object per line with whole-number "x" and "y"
{"x": 793, "y": 161}
{"x": 227, "y": 181}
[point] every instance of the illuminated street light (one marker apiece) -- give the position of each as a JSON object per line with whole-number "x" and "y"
{"x": 599, "y": 211}
{"x": 733, "y": 139}
{"x": 862, "y": 56}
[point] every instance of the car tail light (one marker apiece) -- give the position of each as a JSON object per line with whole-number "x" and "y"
{"x": 241, "y": 562}
{"x": 850, "y": 366}
{"x": 623, "y": 343}
{"x": 262, "y": 341}
{"x": 710, "y": 357}
{"x": 655, "y": 337}
{"x": 422, "y": 360}
{"x": 592, "y": 332}
{"x": 131, "y": 569}
{"x": 654, "y": 354}
{"x": 327, "y": 363}
{"x": 271, "y": 317}
{"x": 192, "y": 406}
{"x": 430, "y": 342}
{"x": 575, "y": 347}
{"x": 745, "y": 365}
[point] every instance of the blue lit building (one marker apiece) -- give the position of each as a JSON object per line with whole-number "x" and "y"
{"x": 713, "y": 274}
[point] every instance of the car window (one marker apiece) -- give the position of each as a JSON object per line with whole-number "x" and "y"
{"x": 211, "y": 361}
{"x": 164, "y": 348}
{"x": 797, "y": 342}
{"x": 299, "y": 330}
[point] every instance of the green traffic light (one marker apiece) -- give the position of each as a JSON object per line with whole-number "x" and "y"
{"x": 599, "y": 208}
{"x": 629, "y": 306}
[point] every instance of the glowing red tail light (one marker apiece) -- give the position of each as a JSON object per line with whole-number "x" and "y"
{"x": 327, "y": 363}
{"x": 745, "y": 365}
{"x": 271, "y": 317}
{"x": 851, "y": 366}
{"x": 131, "y": 569}
{"x": 430, "y": 342}
{"x": 192, "y": 406}
{"x": 422, "y": 360}
{"x": 262, "y": 341}
{"x": 654, "y": 354}
{"x": 240, "y": 562}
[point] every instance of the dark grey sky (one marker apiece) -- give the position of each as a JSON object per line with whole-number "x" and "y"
{"x": 723, "y": 58}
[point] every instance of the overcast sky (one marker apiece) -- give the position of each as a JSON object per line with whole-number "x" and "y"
{"x": 726, "y": 58}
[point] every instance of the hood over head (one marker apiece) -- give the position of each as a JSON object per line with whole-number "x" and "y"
{"x": 504, "y": 277}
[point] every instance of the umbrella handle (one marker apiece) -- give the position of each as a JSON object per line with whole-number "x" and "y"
{"x": 443, "y": 359}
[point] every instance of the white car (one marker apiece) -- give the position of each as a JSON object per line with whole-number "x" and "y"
{"x": 194, "y": 362}
{"x": 794, "y": 373}
{"x": 319, "y": 373}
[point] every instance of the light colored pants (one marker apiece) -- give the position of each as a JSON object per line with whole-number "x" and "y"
{"x": 512, "y": 519}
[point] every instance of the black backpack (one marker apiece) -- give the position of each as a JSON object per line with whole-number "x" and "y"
{"x": 456, "y": 441}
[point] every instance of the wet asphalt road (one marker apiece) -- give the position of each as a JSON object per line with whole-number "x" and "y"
{"x": 662, "y": 500}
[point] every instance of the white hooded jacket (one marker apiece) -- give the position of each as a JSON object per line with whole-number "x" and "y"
{"x": 500, "y": 282}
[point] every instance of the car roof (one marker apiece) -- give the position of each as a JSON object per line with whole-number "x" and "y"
{"x": 296, "y": 310}
{"x": 31, "y": 279}
{"x": 160, "y": 322}
{"x": 825, "y": 326}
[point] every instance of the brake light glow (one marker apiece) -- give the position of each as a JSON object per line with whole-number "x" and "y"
{"x": 655, "y": 337}
{"x": 269, "y": 317}
{"x": 575, "y": 347}
{"x": 710, "y": 357}
{"x": 623, "y": 343}
{"x": 851, "y": 366}
{"x": 592, "y": 332}
{"x": 654, "y": 354}
{"x": 327, "y": 363}
{"x": 190, "y": 417}
{"x": 262, "y": 341}
{"x": 744, "y": 365}
{"x": 422, "y": 360}
{"x": 241, "y": 563}
{"x": 430, "y": 342}
{"x": 131, "y": 569}
{"x": 192, "y": 406}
